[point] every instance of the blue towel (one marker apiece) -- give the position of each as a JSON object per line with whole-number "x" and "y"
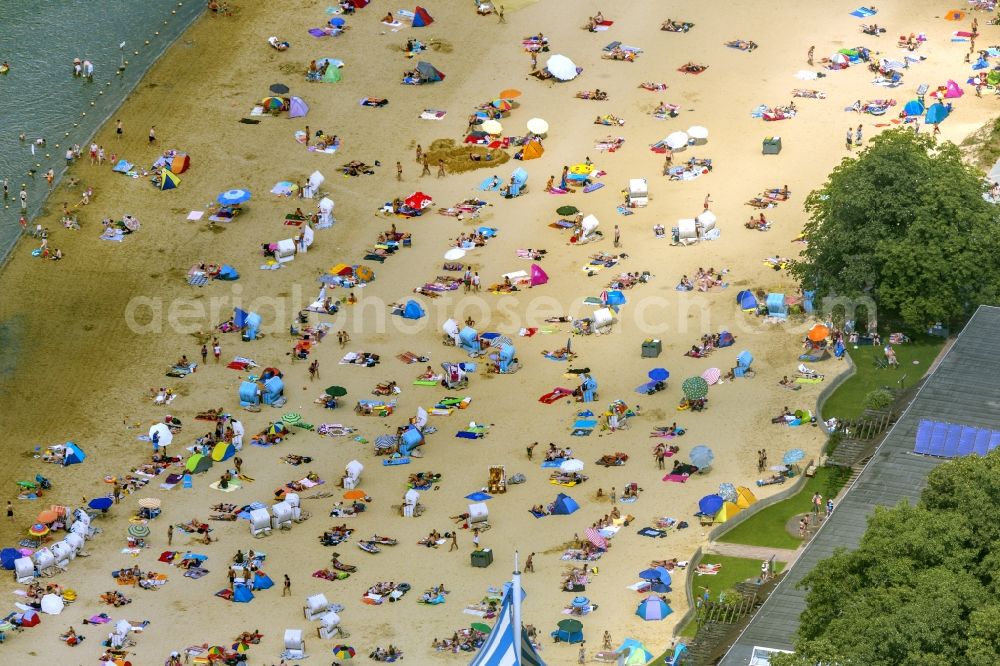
{"x": 864, "y": 12}
{"x": 490, "y": 185}
{"x": 644, "y": 388}
{"x": 478, "y": 497}
{"x": 396, "y": 461}
{"x": 585, "y": 412}
{"x": 537, "y": 515}
{"x": 552, "y": 463}
{"x": 585, "y": 423}
{"x": 465, "y": 434}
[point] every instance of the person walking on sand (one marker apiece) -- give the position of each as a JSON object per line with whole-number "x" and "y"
{"x": 529, "y": 564}
{"x": 399, "y": 171}
{"x": 204, "y": 354}
{"x": 440, "y": 169}
{"x": 23, "y": 196}
{"x": 809, "y": 56}
{"x": 476, "y": 283}
{"x": 857, "y": 136}
{"x": 475, "y": 539}
{"x": 454, "y": 541}
{"x": 500, "y": 18}
{"x": 308, "y": 136}
{"x": 10, "y": 511}
{"x": 848, "y": 138}
{"x": 534, "y": 61}
{"x": 216, "y": 349}
{"x": 119, "y": 129}
{"x": 582, "y": 657}
{"x": 238, "y": 464}
{"x": 152, "y": 134}
{"x": 613, "y": 495}
{"x": 420, "y": 154}
{"x": 618, "y": 236}
{"x": 170, "y": 535}
{"x": 427, "y": 168}
{"x": 531, "y": 450}
{"x": 286, "y": 591}
{"x": 314, "y": 369}
{"x": 93, "y": 154}
{"x": 937, "y": 129}
{"x": 708, "y": 200}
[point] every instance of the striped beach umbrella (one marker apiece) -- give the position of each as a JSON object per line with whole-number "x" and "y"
{"x": 594, "y": 537}
{"x": 138, "y": 530}
{"x": 291, "y": 418}
{"x": 712, "y": 376}
{"x": 150, "y": 503}
{"x": 500, "y": 341}
{"x": 38, "y": 530}
{"x": 344, "y": 652}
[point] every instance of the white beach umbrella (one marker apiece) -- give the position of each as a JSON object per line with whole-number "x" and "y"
{"x": 165, "y": 436}
{"x": 538, "y": 126}
{"x": 454, "y": 254}
{"x": 561, "y": 67}
{"x": 492, "y": 127}
{"x": 697, "y": 132}
{"x": 677, "y": 140}
{"x": 571, "y": 465}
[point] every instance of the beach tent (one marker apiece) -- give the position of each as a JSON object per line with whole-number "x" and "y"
{"x": 333, "y": 66}
{"x": 180, "y": 163}
{"x": 421, "y": 19}
{"x": 954, "y": 15}
{"x": 228, "y": 273}
{"x": 74, "y": 454}
{"x": 538, "y": 276}
{"x": 728, "y": 510}
{"x": 936, "y": 113}
{"x": 951, "y": 90}
{"x": 428, "y": 73}
{"x": 123, "y": 166}
{"x": 840, "y": 59}
{"x": 776, "y": 306}
{"x": 637, "y": 655}
{"x": 569, "y": 631}
{"x": 652, "y": 608}
{"x": 242, "y": 594}
{"x": 914, "y": 108}
{"x": 532, "y": 150}
{"x": 168, "y": 180}
{"x": 198, "y": 463}
{"x": 501, "y": 646}
{"x": 223, "y": 451}
{"x": 745, "y": 497}
{"x": 297, "y": 108}
{"x": 7, "y": 558}
{"x": 746, "y": 300}
{"x": 564, "y": 505}
{"x": 413, "y": 310}
{"x": 29, "y": 619}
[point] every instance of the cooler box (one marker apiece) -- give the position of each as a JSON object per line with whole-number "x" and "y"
{"x": 651, "y": 348}
{"x": 772, "y": 145}
{"x": 482, "y": 558}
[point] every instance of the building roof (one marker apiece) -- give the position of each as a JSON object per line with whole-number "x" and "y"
{"x": 967, "y": 371}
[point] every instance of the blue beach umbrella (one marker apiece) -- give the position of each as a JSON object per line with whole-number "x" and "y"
{"x": 235, "y": 196}
{"x": 701, "y": 456}
{"x": 793, "y": 456}
{"x": 7, "y": 557}
{"x": 101, "y": 503}
{"x": 709, "y": 505}
{"x": 659, "y": 374}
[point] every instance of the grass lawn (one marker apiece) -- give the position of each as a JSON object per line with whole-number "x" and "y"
{"x": 767, "y": 527}
{"x": 734, "y": 570}
{"x": 847, "y": 401}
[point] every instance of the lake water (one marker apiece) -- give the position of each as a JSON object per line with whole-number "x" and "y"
{"x": 40, "y": 39}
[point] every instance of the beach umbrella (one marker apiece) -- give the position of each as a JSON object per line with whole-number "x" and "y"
{"x": 712, "y": 376}
{"x": 161, "y": 434}
{"x": 659, "y": 374}
{"x": 234, "y": 196}
{"x": 509, "y": 93}
{"x": 778, "y": 468}
{"x": 694, "y": 388}
{"x": 653, "y": 574}
{"x": 701, "y": 456}
{"x": 818, "y": 333}
{"x": 561, "y": 67}
{"x": 582, "y": 169}
{"x": 500, "y": 340}
{"x": 272, "y": 103}
{"x": 278, "y": 88}
{"x": 709, "y": 505}
{"x": 676, "y": 140}
{"x": 492, "y": 127}
{"x": 653, "y": 608}
{"x": 47, "y": 516}
{"x": 336, "y": 391}
{"x": 793, "y": 456}
{"x": 570, "y": 625}
{"x": 38, "y": 530}
{"x": 284, "y": 188}
{"x": 538, "y": 126}
{"x": 138, "y": 530}
{"x": 481, "y": 627}
{"x": 149, "y": 503}
{"x": 580, "y": 602}
{"x": 567, "y": 210}
{"x": 291, "y": 418}
{"x": 101, "y": 503}
{"x": 571, "y": 465}
{"x": 7, "y": 557}
{"x": 454, "y": 254}
{"x": 241, "y": 647}
{"x": 698, "y": 132}
{"x": 727, "y": 491}
{"x": 954, "y": 15}
{"x": 502, "y": 104}
{"x": 354, "y": 494}
{"x": 344, "y": 652}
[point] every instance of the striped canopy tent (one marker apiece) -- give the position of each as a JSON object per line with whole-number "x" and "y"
{"x": 508, "y": 644}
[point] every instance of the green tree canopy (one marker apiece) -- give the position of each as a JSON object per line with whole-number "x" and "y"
{"x": 923, "y": 585}
{"x": 905, "y": 224}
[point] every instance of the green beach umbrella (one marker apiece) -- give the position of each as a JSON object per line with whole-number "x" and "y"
{"x": 567, "y": 210}
{"x": 138, "y": 530}
{"x": 694, "y": 388}
{"x": 291, "y": 418}
{"x": 481, "y": 627}
{"x": 570, "y": 625}
{"x": 336, "y": 391}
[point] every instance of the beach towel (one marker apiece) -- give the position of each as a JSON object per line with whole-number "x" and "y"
{"x": 548, "y": 464}
{"x": 537, "y": 514}
{"x": 592, "y": 187}
{"x": 491, "y": 184}
{"x": 864, "y": 12}
{"x": 584, "y": 423}
{"x": 676, "y": 478}
{"x": 233, "y": 485}
{"x": 582, "y": 432}
{"x": 432, "y": 114}
{"x": 389, "y": 462}
{"x": 652, "y": 533}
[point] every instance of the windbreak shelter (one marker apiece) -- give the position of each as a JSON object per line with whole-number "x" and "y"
{"x": 413, "y": 310}
{"x": 428, "y": 73}
{"x": 936, "y": 113}
{"x": 74, "y": 454}
{"x": 297, "y": 108}
{"x": 564, "y": 505}
{"x": 538, "y": 276}
{"x": 421, "y": 19}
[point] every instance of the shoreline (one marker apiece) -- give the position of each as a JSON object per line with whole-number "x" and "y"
{"x": 83, "y": 371}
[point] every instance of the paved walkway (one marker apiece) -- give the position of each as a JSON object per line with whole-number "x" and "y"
{"x": 753, "y": 552}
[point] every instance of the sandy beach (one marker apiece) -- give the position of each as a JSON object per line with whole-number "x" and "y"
{"x": 87, "y": 337}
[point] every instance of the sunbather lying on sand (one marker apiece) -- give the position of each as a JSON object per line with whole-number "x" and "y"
{"x": 278, "y": 44}
{"x": 692, "y": 68}
{"x": 596, "y": 94}
{"x": 742, "y": 44}
{"x": 649, "y": 85}
{"x": 676, "y": 26}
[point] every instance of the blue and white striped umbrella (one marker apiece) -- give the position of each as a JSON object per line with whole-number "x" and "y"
{"x": 236, "y": 196}
{"x": 727, "y": 491}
